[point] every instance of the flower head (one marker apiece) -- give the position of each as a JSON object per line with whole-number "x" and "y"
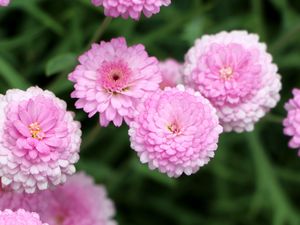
{"x": 20, "y": 217}
{"x": 171, "y": 73}
{"x": 111, "y": 79}
{"x": 292, "y": 122}
{"x": 78, "y": 202}
{"x": 131, "y": 8}
{"x": 4, "y": 2}
{"x": 39, "y": 140}
{"x": 234, "y": 71}
{"x": 176, "y": 131}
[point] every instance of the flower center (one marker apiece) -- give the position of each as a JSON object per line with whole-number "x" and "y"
{"x": 226, "y": 73}
{"x": 174, "y": 128}
{"x": 114, "y": 76}
{"x": 36, "y": 131}
{"x": 59, "y": 219}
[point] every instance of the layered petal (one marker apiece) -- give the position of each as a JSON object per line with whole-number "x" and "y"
{"x": 234, "y": 71}
{"x": 36, "y": 131}
{"x": 175, "y": 130}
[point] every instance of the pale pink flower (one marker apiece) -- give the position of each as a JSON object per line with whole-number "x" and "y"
{"x": 4, "y": 2}
{"x": 171, "y": 73}
{"x": 292, "y": 122}
{"x": 111, "y": 79}
{"x": 176, "y": 131}
{"x": 78, "y": 202}
{"x": 131, "y": 8}
{"x": 234, "y": 71}
{"x": 20, "y": 217}
{"x": 39, "y": 140}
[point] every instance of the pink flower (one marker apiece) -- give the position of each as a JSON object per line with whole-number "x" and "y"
{"x": 39, "y": 140}
{"x": 292, "y": 122}
{"x": 4, "y": 2}
{"x": 20, "y": 217}
{"x": 131, "y": 8}
{"x": 234, "y": 71}
{"x": 111, "y": 79}
{"x": 171, "y": 73}
{"x": 78, "y": 202}
{"x": 176, "y": 131}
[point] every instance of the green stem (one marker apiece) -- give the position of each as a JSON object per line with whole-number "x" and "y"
{"x": 91, "y": 137}
{"x": 258, "y": 17}
{"x": 268, "y": 185}
{"x": 274, "y": 118}
{"x": 285, "y": 39}
{"x": 100, "y": 31}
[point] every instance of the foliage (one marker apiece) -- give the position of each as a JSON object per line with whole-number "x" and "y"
{"x": 252, "y": 180}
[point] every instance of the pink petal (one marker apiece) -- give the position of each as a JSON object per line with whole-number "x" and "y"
{"x": 53, "y": 142}
{"x": 23, "y": 130}
{"x": 42, "y": 148}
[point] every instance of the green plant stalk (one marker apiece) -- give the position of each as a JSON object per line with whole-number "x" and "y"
{"x": 268, "y": 185}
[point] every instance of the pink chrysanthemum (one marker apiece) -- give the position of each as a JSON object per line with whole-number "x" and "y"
{"x": 4, "y": 2}
{"x": 176, "y": 131}
{"x": 39, "y": 140}
{"x": 111, "y": 79}
{"x": 171, "y": 73}
{"x": 20, "y": 217}
{"x": 131, "y": 8}
{"x": 78, "y": 202}
{"x": 234, "y": 71}
{"x": 292, "y": 122}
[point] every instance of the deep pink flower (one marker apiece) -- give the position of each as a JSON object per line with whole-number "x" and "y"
{"x": 131, "y": 8}
{"x": 176, "y": 131}
{"x": 234, "y": 71}
{"x": 39, "y": 140}
{"x": 20, "y": 217}
{"x": 171, "y": 73}
{"x": 111, "y": 79}
{"x": 292, "y": 122}
{"x": 78, "y": 202}
{"x": 4, "y": 2}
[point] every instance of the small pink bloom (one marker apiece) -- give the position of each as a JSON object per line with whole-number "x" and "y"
{"x": 234, "y": 71}
{"x": 78, "y": 202}
{"x": 176, "y": 131}
{"x": 4, "y": 2}
{"x": 112, "y": 78}
{"x": 131, "y": 8}
{"x": 292, "y": 122}
{"x": 20, "y": 217}
{"x": 171, "y": 73}
{"x": 39, "y": 140}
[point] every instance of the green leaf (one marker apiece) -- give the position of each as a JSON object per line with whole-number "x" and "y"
{"x": 11, "y": 76}
{"x": 60, "y": 63}
{"x": 194, "y": 29}
{"x": 44, "y": 18}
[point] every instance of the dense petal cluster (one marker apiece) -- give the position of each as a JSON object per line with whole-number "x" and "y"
{"x": 20, "y": 217}
{"x": 292, "y": 122}
{"x": 171, "y": 73}
{"x": 234, "y": 71}
{"x": 176, "y": 131}
{"x": 78, "y": 202}
{"x": 111, "y": 79}
{"x": 131, "y": 8}
{"x": 39, "y": 140}
{"x": 4, "y": 2}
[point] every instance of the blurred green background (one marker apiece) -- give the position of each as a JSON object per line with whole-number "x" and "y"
{"x": 254, "y": 178}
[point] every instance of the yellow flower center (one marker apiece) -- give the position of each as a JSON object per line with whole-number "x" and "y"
{"x": 36, "y": 131}
{"x": 226, "y": 73}
{"x": 174, "y": 128}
